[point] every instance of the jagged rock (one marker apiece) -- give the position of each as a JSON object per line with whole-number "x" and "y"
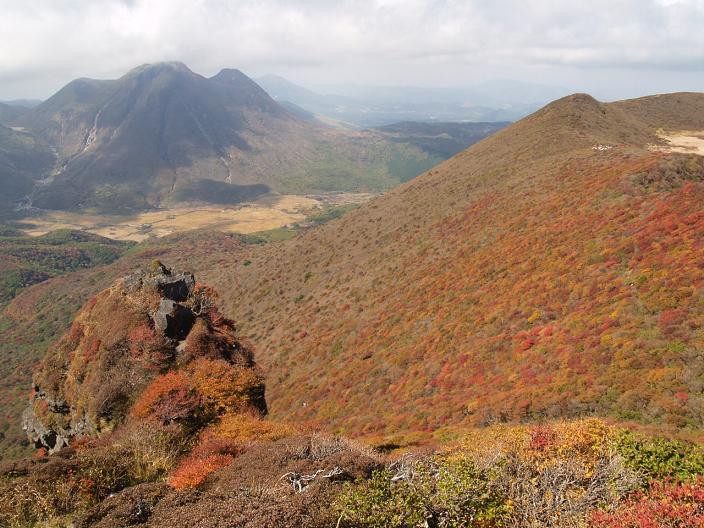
{"x": 144, "y": 325}
{"x": 175, "y": 287}
{"x": 173, "y": 319}
{"x": 41, "y": 435}
{"x": 52, "y": 438}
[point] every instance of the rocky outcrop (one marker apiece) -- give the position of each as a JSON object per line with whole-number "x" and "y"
{"x": 145, "y": 325}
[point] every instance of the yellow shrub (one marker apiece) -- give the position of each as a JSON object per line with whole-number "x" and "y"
{"x": 247, "y": 428}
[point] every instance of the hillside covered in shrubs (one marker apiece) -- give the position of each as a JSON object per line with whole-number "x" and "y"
{"x": 25, "y": 260}
{"x": 553, "y": 270}
{"x": 150, "y": 411}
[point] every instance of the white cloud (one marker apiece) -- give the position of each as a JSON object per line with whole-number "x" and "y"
{"x": 48, "y": 42}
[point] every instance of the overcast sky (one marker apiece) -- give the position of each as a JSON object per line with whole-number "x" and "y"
{"x": 613, "y": 48}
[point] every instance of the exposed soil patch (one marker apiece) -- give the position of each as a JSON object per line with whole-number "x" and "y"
{"x": 686, "y": 142}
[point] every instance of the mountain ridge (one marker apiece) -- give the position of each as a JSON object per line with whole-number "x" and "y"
{"x": 155, "y": 134}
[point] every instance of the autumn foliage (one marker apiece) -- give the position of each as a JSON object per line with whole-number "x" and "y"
{"x": 194, "y": 470}
{"x": 226, "y": 388}
{"x": 493, "y": 290}
{"x": 665, "y": 504}
{"x": 248, "y": 428}
{"x": 169, "y": 398}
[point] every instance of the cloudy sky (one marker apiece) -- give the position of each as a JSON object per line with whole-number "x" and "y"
{"x": 612, "y": 48}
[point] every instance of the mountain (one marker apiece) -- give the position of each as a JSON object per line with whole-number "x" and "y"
{"x": 24, "y": 160}
{"x": 553, "y": 269}
{"x": 163, "y": 134}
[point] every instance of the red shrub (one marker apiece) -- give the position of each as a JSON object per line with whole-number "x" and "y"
{"x": 92, "y": 349}
{"x": 542, "y": 437}
{"x": 75, "y": 334}
{"x": 526, "y": 344}
{"x": 141, "y": 334}
{"x": 169, "y": 398}
{"x": 669, "y": 319}
{"x": 682, "y": 396}
{"x": 666, "y": 504}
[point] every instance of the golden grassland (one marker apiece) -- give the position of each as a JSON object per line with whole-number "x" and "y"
{"x": 268, "y": 212}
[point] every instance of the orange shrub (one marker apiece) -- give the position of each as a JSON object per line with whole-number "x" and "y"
{"x": 227, "y": 388}
{"x": 584, "y": 440}
{"x": 194, "y": 470}
{"x": 247, "y": 428}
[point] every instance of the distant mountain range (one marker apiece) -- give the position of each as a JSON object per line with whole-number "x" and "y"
{"x": 162, "y": 134}
{"x": 443, "y": 140}
{"x": 22, "y": 103}
{"x": 372, "y": 106}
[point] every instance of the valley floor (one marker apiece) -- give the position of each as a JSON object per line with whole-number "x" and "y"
{"x": 266, "y": 213}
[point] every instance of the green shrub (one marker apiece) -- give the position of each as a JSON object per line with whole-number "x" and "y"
{"x": 658, "y": 458}
{"x": 442, "y": 491}
{"x": 380, "y": 503}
